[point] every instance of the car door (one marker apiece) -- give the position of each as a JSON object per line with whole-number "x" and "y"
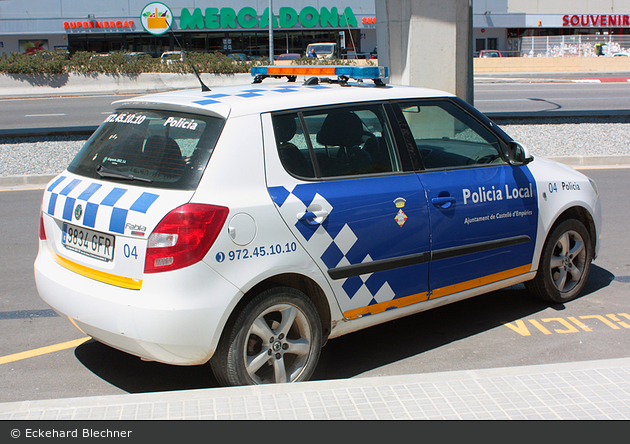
{"x": 353, "y": 202}
{"x": 482, "y": 210}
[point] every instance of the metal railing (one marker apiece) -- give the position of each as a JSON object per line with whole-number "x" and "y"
{"x": 574, "y": 45}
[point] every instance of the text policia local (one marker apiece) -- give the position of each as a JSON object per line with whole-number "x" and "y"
{"x": 487, "y": 195}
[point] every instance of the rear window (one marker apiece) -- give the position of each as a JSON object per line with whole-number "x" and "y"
{"x": 160, "y": 149}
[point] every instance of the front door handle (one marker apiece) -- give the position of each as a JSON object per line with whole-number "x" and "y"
{"x": 313, "y": 217}
{"x": 443, "y": 202}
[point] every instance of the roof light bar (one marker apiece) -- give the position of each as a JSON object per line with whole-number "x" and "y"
{"x": 343, "y": 73}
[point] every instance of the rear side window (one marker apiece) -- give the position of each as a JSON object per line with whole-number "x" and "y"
{"x": 336, "y": 142}
{"x": 160, "y": 149}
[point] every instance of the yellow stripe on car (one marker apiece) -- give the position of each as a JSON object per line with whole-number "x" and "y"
{"x": 101, "y": 276}
{"x": 438, "y": 293}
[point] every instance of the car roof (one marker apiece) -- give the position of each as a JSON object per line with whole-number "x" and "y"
{"x": 272, "y": 96}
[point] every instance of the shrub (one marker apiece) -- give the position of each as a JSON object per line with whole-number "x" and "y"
{"x": 318, "y": 61}
{"x": 40, "y": 62}
{"x": 115, "y": 62}
{"x": 59, "y": 62}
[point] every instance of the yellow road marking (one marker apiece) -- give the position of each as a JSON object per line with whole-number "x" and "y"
{"x": 520, "y": 327}
{"x": 22, "y": 189}
{"x": 42, "y": 351}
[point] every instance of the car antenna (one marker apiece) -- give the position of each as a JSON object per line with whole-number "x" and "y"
{"x": 204, "y": 87}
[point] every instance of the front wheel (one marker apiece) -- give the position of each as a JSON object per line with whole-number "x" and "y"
{"x": 564, "y": 264}
{"x": 276, "y": 338}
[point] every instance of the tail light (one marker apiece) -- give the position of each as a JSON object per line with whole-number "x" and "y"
{"x": 42, "y": 231}
{"x": 184, "y": 237}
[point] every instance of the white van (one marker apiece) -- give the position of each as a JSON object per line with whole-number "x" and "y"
{"x": 322, "y": 50}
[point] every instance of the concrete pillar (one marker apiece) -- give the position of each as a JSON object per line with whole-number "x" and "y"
{"x": 427, "y": 43}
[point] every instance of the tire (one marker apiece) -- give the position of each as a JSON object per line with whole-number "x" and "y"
{"x": 564, "y": 263}
{"x": 277, "y": 337}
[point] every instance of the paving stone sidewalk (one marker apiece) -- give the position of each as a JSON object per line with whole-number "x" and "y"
{"x": 588, "y": 390}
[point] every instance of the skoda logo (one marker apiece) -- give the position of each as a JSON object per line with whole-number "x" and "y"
{"x": 78, "y": 211}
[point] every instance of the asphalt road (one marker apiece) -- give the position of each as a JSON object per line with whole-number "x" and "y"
{"x": 54, "y": 112}
{"x": 552, "y": 97}
{"x": 502, "y": 328}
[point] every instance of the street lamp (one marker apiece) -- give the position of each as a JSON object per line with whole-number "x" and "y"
{"x": 271, "y": 32}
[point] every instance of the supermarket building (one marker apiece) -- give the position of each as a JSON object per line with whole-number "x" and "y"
{"x": 511, "y": 26}
{"x": 239, "y": 26}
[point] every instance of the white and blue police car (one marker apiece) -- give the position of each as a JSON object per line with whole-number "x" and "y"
{"x": 246, "y": 226}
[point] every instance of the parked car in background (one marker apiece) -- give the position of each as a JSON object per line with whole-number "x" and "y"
{"x": 170, "y": 57}
{"x": 489, "y": 53}
{"x": 288, "y": 56}
{"x": 238, "y": 56}
{"x": 131, "y": 56}
{"x": 96, "y": 56}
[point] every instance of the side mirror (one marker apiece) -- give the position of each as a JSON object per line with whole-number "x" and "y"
{"x": 518, "y": 155}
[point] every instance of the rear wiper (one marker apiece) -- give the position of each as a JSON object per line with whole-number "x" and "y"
{"x": 113, "y": 174}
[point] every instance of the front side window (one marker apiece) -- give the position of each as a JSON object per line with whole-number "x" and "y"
{"x": 447, "y": 137}
{"x": 161, "y": 149}
{"x": 336, "y": 142}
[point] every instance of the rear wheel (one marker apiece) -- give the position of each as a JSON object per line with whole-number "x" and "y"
{"x": 276, "y": 338}
{"x": 564, "y": 264}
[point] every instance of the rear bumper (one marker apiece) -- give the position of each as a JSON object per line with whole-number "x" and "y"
{"x": 175, "y": 318}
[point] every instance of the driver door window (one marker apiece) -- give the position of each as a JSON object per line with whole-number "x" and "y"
{"x": 447, "y": 137}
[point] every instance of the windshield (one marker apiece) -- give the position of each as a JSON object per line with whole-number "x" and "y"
{"x": 160, "y": 149}
{"x": 321, "y": 49}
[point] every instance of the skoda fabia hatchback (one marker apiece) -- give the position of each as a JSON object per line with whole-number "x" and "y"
{"x": 246, "y": 226}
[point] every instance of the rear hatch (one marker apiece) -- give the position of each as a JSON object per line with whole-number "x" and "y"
{"x": 136, "y": 168}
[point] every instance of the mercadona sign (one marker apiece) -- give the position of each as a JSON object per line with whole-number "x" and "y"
{"x": 248, "y": 18}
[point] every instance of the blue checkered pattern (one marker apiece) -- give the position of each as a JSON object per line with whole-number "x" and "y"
{"x": 250, "y": 93}
{"x": 332, "y": 246}
{"x": 105, "y": 207}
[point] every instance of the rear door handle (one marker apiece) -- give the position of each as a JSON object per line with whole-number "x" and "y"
{"x": 443, "y": 202}
{"x": 313, "y": 217}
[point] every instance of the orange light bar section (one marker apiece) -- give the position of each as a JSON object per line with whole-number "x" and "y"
{"x": 301, "y": 71}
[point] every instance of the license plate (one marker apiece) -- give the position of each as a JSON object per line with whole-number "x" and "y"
{"x": 91, "y": 243}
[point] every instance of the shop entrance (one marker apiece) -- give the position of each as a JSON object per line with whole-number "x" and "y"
{"x": 254, "y": 44}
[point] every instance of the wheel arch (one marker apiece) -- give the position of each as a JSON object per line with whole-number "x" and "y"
{"x": 584, "y": 216}
{"x": 544, "y": 284}
{"x": 300, "y": 282}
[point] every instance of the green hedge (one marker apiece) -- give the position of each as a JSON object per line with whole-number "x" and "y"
{"x": 59, "y": 62}
{"x": 43, "y": 62}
